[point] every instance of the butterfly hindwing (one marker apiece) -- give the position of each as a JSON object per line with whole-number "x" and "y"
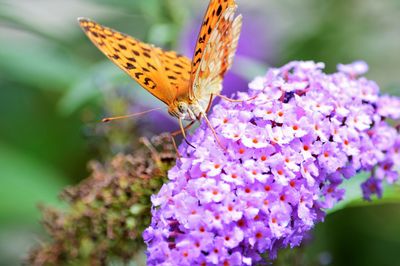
{"x": 177, "y": 69}
{"x": 153, "y": 68}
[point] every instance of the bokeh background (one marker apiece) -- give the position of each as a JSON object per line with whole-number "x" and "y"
{"x": 55, "y": 87}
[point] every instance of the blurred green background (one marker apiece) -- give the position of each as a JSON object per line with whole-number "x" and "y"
{"x": 56, "y": 86}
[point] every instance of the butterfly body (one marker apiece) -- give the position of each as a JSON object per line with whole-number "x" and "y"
{"x": 185, "y": 86}
{"x": 184, "y": 110}
{"x": 192, "y": 109}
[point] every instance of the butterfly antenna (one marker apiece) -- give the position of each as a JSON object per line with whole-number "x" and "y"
{"x": 175, "y": 147}
{"x": 108, "y": 119}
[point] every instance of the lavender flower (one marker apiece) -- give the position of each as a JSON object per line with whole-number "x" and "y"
{"x": 287, "y": 152}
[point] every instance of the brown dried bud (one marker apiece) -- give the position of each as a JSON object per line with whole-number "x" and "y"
{"x": 107, "y": 211}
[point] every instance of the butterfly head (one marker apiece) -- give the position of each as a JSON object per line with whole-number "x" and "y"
{"x": 182, "y": 110}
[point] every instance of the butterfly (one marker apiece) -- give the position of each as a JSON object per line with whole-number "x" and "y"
{"x": 186, "y": 86}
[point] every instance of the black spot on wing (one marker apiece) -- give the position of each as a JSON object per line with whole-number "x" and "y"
{"x": 148, "y": 81}
{"x": 197, "y": 61}
{"x": 206, "y": 21}
{"x": 198, "y": 52}
{"x": 151, "y": 66}
{"x": 129, "y": 66}
{"x": 146, "y": 49}
{"x": 219, "y": 10}
{"x": 138, "y": 74}
{"x": 178, "y": 65}
{"x": 132, "y": 59}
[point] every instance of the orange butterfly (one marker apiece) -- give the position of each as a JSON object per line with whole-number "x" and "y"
{"x": 186, "y": 86}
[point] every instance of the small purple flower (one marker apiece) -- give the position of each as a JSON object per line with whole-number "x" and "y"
{"x": 372, "y": 186}
{"x": 286, "y": 155}
{"x": 354, "y": 69}
{"x": 389, "y": 106}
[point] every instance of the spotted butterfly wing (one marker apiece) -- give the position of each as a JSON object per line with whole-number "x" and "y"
{"x": 215, "y": 55}
{"x": 213, "y": 14}
{"x": 229, "y": 40}
{"x": 162, "y": 73}
{"x": 185, "y": 86}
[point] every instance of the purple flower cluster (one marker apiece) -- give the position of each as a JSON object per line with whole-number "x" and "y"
{"x": 286, "y": 153}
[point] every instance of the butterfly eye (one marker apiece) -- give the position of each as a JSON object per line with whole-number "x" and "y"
{"x": 182, "y": 107}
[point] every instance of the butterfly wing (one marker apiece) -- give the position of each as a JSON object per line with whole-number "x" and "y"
{"x": 230, "y": 41}
{"x": 213, "y": 14}
{"x": 178, "y": 71}
{"x": 217, "y": 56}
{"x": 153, "y": 68}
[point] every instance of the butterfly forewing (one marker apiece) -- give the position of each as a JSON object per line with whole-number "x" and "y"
{"x": 230, "y": 41}
{"x": 217, "y": 56}
{"x": 214, "y": 11}
{"x": 154, "y": 69}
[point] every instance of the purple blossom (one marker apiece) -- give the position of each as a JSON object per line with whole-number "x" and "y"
{"x": 389, "y": 106}
{"x": 372, "y": 186}
{"x": 354, "y": 69}
{"x": 286, "y": 155}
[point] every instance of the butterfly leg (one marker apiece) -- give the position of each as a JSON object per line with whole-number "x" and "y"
{"x": 213, "y": 131}
{"x": 235, "y": 100}
{"x": 179, "y": 131}
{"x": 204, "y": 113}
{"x": 182, "y": 131}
